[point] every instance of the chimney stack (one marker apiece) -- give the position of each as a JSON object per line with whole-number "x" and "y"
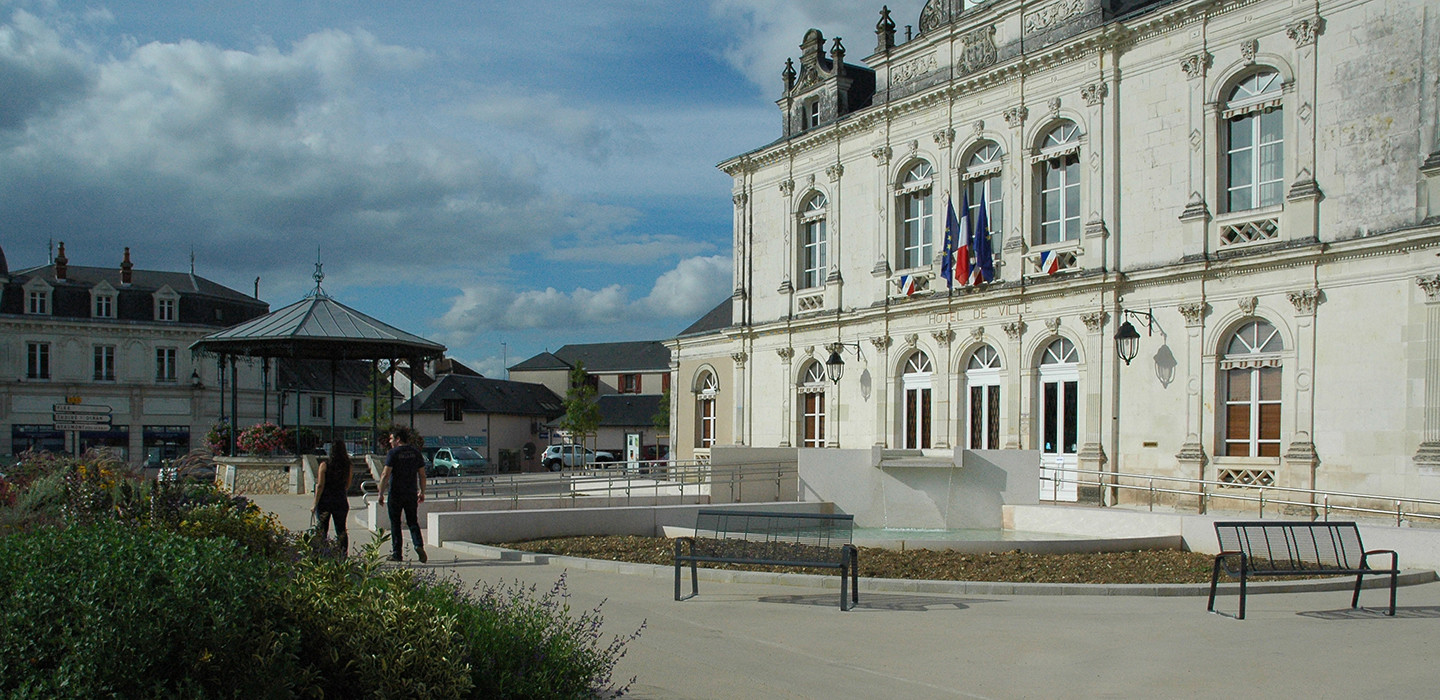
{"x": 125, "y": 268}
{"x": 62, "y": 264}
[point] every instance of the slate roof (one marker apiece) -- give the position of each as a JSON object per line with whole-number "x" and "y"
{"x": 717, "y": 319}
{"x": 630, "y": 356}
{"x": 313, "y": 376}
{"x": 623, "y": 410}
{"x": 201, "y": 301}
{"x": 319, "y": 327}
{"x": 485, "y": 395}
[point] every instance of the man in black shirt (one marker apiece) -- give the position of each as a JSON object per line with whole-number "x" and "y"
{"x": 404, "y": 476}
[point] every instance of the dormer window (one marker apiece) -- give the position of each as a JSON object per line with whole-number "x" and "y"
{"x": 37, "y": 301}
{"x": 167, "y": 304}
{"x": 104, "y": 306}
{"x": 810, "y": 114}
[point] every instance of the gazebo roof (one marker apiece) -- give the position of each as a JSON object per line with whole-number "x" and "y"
{"x": 318, "y": 327}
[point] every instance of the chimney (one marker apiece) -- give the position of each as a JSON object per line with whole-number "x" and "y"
{"x": 125, "y": 268}
{"x": 62, "y": 264}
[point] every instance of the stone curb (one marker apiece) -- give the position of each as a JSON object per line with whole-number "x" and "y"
{"x": 892, "y": 585}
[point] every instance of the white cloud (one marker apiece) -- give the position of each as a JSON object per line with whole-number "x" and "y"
{"x": 590, "y": 134}
{"x": 692, "y": 288}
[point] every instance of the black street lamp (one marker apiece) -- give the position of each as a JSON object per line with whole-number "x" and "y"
{"x": 1127, "y": 339}
{"x": 835, "y": 366}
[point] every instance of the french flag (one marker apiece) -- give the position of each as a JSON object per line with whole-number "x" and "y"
{"x": 907, "y": 285}
{"x": 959, "y": 233}
{"x": 1049, "y": 262}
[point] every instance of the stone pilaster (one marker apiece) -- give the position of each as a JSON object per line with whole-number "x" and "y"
{"x": 1427, "y": 457}
{"x": 880, "y": 368}
{"x": 787, "y": 397}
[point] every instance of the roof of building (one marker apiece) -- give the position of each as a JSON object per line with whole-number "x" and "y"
{"x": 629, "y": 356}
{"x": 318, "y": 327}
{"x": 142, "y": 280}
{"x": 485, "y": 395}
{"x": 313, "y": 376}
{"x": 620, "y": 410}
{"x": 718, "y": 318}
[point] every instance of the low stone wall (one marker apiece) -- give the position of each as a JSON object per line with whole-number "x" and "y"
{"x": 260, "y": 475}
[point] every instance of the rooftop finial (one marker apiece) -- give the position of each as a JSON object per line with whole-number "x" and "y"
{"x": 319, "y": 275}
{"x": 884, "y": 31}
{"x": 789, "y": 75}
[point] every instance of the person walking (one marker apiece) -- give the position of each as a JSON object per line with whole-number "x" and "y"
{"x": 403, "y": 480}
{"x": 332, "y": 482}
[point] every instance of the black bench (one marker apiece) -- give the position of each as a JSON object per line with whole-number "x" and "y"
{"x": 1295, "y": 548}
{"x": 774, "y": 539}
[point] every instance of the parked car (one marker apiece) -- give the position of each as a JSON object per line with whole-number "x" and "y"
{"x": 457, "y": 461}
{"x": 559, "y": 457}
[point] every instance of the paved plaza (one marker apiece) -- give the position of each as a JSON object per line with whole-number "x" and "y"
{"x": 752, "y": 640}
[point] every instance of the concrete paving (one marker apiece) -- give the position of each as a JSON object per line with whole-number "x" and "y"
{"x": 767, "y": 640}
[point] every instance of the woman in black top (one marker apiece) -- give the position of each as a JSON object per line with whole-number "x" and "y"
{"x": 332, "y": 480}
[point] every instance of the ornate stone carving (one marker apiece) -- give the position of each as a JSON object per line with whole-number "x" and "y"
{"x": 1305, "y": 301}
{"x": 978, "y": 333}
{"x": 1248, "y": 304}
{"x": 1431, "y": 287}
{"x": 1053, "y": 324}
{"x": 1016, "y": 116}
{"x": 809, "y": 350}
{"x": 740, "y": 198}
{"x": 1094, "y": 321}
{"x": 1054, "y": 105}
{"x": 881, "y": 154}
{"x": 1248, "y": 49}
{"x": 739, "y": 358}
{"x": 1303, "y": 188}
{"x": 1094, "y": 94}
{"x": 1052, "y": 15}
{"x": 787, "y": 187}
{"x": 785, "y": 353}
{"x": 943, "y": 337}
{"x": 834, "y": 172}
{"x": 1196, "y": 64}
{"x": 810, "y": 179}
{"x": 978, "y": 50}
{"x": 912, "y": 339}
{"x": 1197, "y": 139}
{"x": 1303, "y": 32}
{"x": 914, "y": 146}
{"x": 1194, "y": 312}
{"x": 881, "y": 342}
{"x": 1013, "y": 329}
{"x": 978, "y": 127}
{"x": 944, "y": 137}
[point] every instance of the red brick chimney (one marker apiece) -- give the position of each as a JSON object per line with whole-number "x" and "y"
{"x": 61, "y": 264}
{"x": 125, "y": 267}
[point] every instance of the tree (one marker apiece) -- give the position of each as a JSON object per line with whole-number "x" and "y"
{"x": 380, "y": 413}
{"x": 661, "y": 419}
{"x": 582, "y": 411}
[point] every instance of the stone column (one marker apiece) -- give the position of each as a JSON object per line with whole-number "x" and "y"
{"x": 1096, "y": 231}
{"x": 883, "y": 193}
{"x": 1300, "y": 460}
{"x": 1196, "y": 215}
{"x": 1303, "y": 213}
{"x": 1018, "y": 176}
{"x": 941, "y": 389}
{"x": 883, "y": 389}
{"x": 1427, "y": 458}
{"x": 1192, "y": 457}
{"x": 1014, "y": 395}
{"x": 1092, "y": 451}
{"x": 742, "y": 394}
{"x": 787, "y": 288}
{"x": 787, "y": 395}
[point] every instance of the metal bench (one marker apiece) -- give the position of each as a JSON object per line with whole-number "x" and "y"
{"x": 1295, "y": 548}
{"x": 774, "y": 539}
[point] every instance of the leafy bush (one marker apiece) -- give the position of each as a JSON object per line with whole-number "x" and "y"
{"x": 262, "y": 439}
{"x": 106, "y": 609}
{"x": 218, "y": 437}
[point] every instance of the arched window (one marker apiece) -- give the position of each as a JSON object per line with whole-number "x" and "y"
{"x": 917, "y": 216}
{"x": 1254, "y": 145}
{"x": 812, "y": 405}
{"x": 706, "y": 388}
{"x": 982, "y": 183}
{"x": 1250, "y": 371}
{"x": 915, "y": 384}
{"x": 982, "y": 380}
{"x": 1058, "y": 165}
{"x": 1059, "y": 378}
{"x": 812, "y": 241}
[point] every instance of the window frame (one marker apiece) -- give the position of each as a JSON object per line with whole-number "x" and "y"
{"x": 167, "y": 365}
{"x": 915, "y": 234}
{"x": 1059, "y": 155}
{"x": 37, "y": 302}
{"x": 982, "y": 181}
{"x": 982, "y": 372}
{"x": 37, "y": 360}
{"x": 917, "y": 403}
{"x": 104, "y": 363}
{"x": 811, "y": 390}
{"x": 453, "y": 410}
{"x": 318, "y": 407}
{"x": 1253, "y": 351}
{"x": 1254, "y": 104}
{"x": 707, "y": 388}
{"x": 814, "y": 241}
{"x": 167, "y": 308}
{"x": 103, "y": 306}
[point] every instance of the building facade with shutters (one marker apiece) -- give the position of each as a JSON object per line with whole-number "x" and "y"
{"x": 1252, "y": 185}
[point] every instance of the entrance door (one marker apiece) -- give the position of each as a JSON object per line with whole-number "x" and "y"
{"x": 1059, "y": 421}
{"x": 915, "y": 402}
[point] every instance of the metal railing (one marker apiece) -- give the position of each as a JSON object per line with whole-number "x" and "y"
{"x": 1322, "y": 502}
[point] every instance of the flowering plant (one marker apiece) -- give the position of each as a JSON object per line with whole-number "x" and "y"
{"x": 262, "y": 438}
{"x": 218, "y": 438}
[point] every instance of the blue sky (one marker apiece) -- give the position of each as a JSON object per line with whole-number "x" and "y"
{"x": 501, "y": 177}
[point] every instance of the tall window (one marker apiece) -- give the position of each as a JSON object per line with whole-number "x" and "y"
{"x": 454, "y": 410}
{"x": 357, "y": 409}
{"x": 37, "y": 360}
{"x": 104, "y": 363}
{"x": 1255, "y": 143}
{"x": 629, "y": 383}
{"x": 1060, "y": 400}
{"x": 812, "y": 406}
{"x": 982, "y": 379}
{"x": 706, "y": 390}
{"x": 1060, "y": 185}
{"x": 915, "y": 401}
{"x": 165, "y": 364}
{"x": 810, "y": 114}
{"x": 917, "y": 223}
{"x": 812, "y": 241}
{"x": 317, "y": 406}
{"x": 37, "y": 301}
{"x": 1251, "y": 374}
{"x": 165, "y": 309}
{"x": 104, "y": 306}
{"x": 982, "y": 183}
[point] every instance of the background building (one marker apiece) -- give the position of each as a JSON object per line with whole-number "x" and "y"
{"x": 503, "y": 420}
{"x": 1254, "y": 186}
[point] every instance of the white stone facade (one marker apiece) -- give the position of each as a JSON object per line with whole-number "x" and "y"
{"x": 1230, "y": 168}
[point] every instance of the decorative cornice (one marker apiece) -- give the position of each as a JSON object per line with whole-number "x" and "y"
{"x": 1094, "y": 94}
{"x": 1196, "y": 64}
{"x": 1094, "y": 321}
{"x": 1303, "y": 32}
{"x": 1194, "y": 312}
{"x": 1431, "y": 287}
{"x": 1305, "y": 301}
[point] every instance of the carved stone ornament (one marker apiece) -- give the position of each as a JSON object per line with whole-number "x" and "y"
{"x": 1195, "y": 209}
{"x": 1054, "y": 105}
{"x": 944, "y": 137}
{"x": 914, "y": 146}
{"x": 1248, "y": 49}
{"x": 943, "y": 337}
{"x": 739, "y": 358}
{"x": 785, "y": 353}
{"x": 785, "y": 286}
{"x": 1016, "y": 116}
{"x": 1053, "y": 324}
{"x": 809, "y": 350}
{"x": 1194, "y": 312}
{"x": 740, "y": 199}
{"x": 810, "y": 179}
{"x": 912, "y": 339}
{"x": 1431, "y": 287}
{"x": 881, "y": 342}
{"x": 881, "y": 154}
{"x": 979, "y": 50}
{"x": 1196, "y": 64}
{"x": 1095, "y": 228}
{"x": 1248, "y": 304}
{"x": 1094, "y": 321}
{"x": 1305, "y": 301}
{"x": 1303, "y": 32}
{"x": 739, "y": 294}
{"x": 978, "y": 127}
{"x": 978, "y": 333}
{"x": 1052, "y": 15}
{"x": 787, "y": 187}
{"x": 1094, "y": 94}
{"x": 1013, "y": 329}
{"x": 834, "y": 172}
{"x": 913, "y": 69}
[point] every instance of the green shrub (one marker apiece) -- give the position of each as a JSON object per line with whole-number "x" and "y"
{"x": 103, "y": 609}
